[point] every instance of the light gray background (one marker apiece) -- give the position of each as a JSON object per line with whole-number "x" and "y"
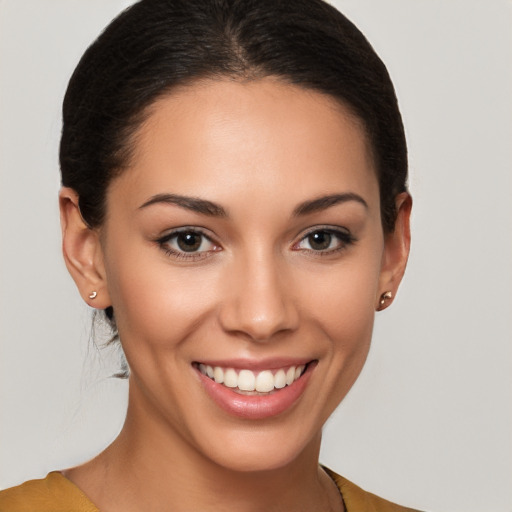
{"x": 429, "y": 422}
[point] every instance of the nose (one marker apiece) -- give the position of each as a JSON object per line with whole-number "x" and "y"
{"x": 258, "y": 301}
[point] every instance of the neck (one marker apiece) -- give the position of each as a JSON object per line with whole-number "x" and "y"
{"x": 160, "y": 471}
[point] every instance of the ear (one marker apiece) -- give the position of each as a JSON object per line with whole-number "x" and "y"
{"x": 396, "y": 252}
{"x": 82, "y": 252}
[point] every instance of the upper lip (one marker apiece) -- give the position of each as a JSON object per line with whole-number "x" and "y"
{"x": 257, "y": 364}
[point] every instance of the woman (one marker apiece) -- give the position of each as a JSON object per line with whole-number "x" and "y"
{"x": 234, "y": 199}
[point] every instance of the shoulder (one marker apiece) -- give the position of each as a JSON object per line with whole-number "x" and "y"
{"x": 55, "y": 493}
{"x": 359, "y": 500}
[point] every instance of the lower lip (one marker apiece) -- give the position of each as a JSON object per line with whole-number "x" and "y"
{"x": 256, "y": 407}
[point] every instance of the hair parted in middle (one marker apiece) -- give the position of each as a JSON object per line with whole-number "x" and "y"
{"x": 156, "y": 46}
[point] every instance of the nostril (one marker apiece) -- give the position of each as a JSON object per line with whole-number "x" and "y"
{"x": 259, "y": 323}
{"x": 258, "y": 302}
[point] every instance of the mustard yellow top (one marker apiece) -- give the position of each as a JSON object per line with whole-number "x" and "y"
{"x": 55, "y": 493}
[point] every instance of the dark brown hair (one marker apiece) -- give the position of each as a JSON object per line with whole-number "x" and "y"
{"x": 157, "y": 45}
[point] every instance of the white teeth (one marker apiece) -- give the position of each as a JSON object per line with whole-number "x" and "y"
{"x": 290, "y": 375}
{"x": 265, "y": 381}
{"x": 230, "y": 378}
{"x": 280, "y": 379}
{"x": 218, "y": 375}
{"x": 245, "y": 380}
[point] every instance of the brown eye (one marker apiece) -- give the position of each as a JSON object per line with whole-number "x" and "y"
{"x": 320, "y": 240}
{"x": 189, "y": 241}
{"x": 325, "y": 241}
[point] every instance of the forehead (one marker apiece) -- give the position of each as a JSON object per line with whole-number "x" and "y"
{"x": 221, "y": 139}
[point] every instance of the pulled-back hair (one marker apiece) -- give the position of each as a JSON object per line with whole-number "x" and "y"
{"x": 155, "y": 46}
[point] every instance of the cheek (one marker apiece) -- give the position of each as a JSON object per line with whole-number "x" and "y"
{"x": 344, "y": 297}
{"x": 154, "y": 302}
{"x": 347, "y": 322}
{"x": 342, "y": 309}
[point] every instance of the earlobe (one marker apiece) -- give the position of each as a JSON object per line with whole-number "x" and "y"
{"x": 396, "y": 253}
{"x": 82, "y": 252}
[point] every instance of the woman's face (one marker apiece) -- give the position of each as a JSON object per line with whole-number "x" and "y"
{"x": 244, "y": 241}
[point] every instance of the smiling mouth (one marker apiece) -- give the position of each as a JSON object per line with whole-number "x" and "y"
{"x": 247, "y": 382}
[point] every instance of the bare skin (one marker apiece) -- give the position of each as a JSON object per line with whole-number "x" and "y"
{"x": 257, "y": 286}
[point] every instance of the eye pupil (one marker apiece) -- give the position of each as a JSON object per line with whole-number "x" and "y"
{"x": 189, "y": 242}
{"x": 320, "y": 240}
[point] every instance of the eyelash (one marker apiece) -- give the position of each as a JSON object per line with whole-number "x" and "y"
{"x": 345, "y": 239}
{"x": 184, "y": 255}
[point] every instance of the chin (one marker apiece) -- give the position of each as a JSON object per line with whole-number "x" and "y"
{"x": 258, "y": 450}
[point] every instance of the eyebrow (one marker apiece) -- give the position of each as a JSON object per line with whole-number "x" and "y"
{"x": 211, "y": 209}
{"x": 324, "y": 202}
{"x": 194, "y": 204}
